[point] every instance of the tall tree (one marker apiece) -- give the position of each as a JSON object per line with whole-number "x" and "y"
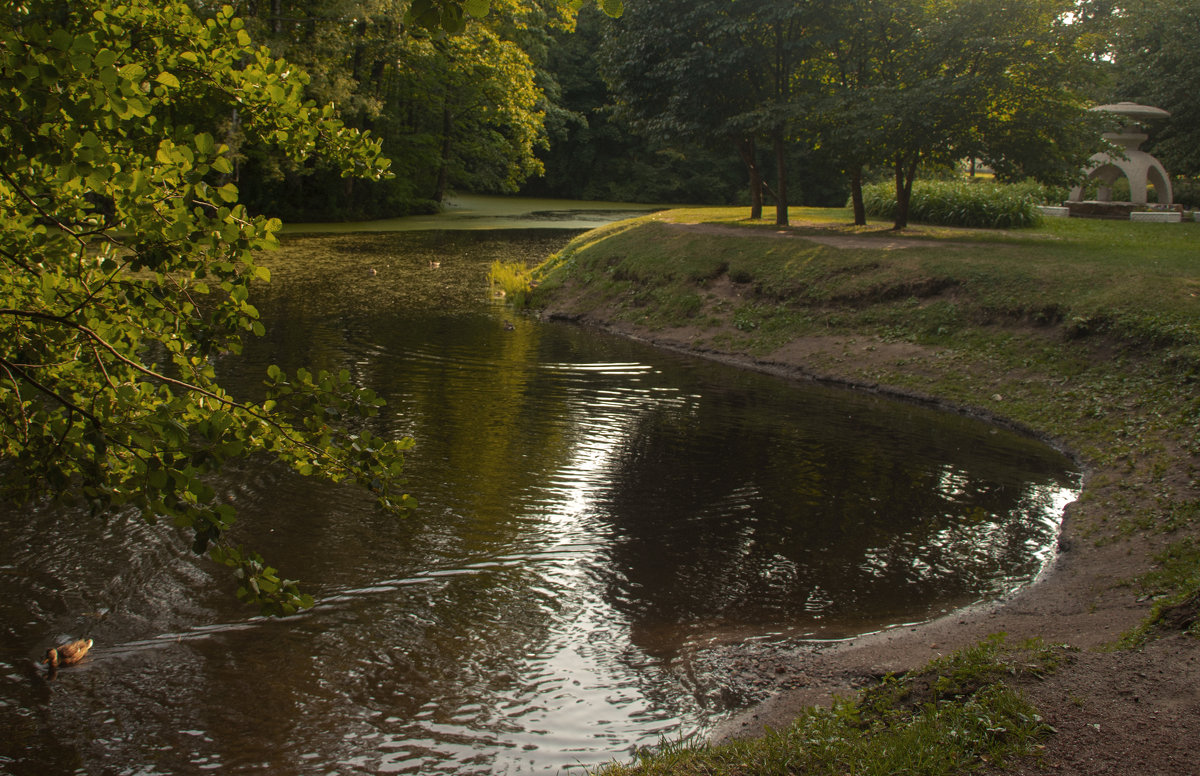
{"x": 1156, "y": 51}
{"x": 783, "y": 35}
{"x": 592, "y": 155}
{"x": 471, "y": 99}
{"x": 463, "y": 110}
{"x": 859, "y": 50}
{"x": 685, "y": 69}
{"x": 980, "y": 79}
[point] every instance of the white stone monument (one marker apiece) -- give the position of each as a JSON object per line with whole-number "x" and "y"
{"x": 1142, "y": 169}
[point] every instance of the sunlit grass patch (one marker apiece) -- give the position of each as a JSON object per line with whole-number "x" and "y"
{"x": 1084, "y": 280}
{"x": 510, "y": 280}
{"x": 956, "y": 714}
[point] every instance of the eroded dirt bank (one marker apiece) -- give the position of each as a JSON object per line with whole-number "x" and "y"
{"x": 1114, "y": 711}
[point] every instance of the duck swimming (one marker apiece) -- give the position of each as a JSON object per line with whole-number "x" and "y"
{"x": 67, "y": 654}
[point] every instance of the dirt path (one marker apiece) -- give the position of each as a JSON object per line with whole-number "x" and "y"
{"x": 878, "y": 239}
{"x": 1115, "y": 712}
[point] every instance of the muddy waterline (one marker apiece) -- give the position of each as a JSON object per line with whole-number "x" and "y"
{"x": 594, "y": 516}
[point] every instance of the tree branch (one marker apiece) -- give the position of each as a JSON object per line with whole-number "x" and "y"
{"x": 41, "y": 210}
{"x": 145, "y": 370}
{"x": 20, "y": 401}
{"x": 11, "y": 367}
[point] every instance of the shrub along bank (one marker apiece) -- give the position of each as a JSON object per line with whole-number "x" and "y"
{"x": 1087, "y": 332}
{"x": 971, "y": 203}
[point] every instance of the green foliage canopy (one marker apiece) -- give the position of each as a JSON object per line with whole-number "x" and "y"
{"x": 977, "y": 79}
{"x": 736, "y": 87}
{"x": 868, "y": 82}
{"x": 127, "y": 265}
{"x": 463, "y": 110}
{"x": 457, "y": 109}
{"x": 1156, "y": 48}
{"x": 452, "y": 15}
{"x": 593, "y": 155}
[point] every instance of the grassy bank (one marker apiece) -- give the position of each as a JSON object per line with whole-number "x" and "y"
{"x": 955, "y": 713}
{"x": 1086, "y": 332}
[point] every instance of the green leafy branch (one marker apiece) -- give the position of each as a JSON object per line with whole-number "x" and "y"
{"x": 131, "y": 265}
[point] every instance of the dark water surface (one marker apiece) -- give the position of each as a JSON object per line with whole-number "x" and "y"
{"x": 593, "y": 515}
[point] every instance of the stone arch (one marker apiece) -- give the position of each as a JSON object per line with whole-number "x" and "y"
{"x": 1158, "y": 178}
{"x": 1108, "y": 174}
{"x": 1140, "y": 169}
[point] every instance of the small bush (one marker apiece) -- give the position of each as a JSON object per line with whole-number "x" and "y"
{"x": 1187, "y": 192}
{"x": 961, "y": 203}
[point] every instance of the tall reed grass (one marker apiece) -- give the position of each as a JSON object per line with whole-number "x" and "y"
{"x": 511, "y": 281}
{"x": 982, "y": 204}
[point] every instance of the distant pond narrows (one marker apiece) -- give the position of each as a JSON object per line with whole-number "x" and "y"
{"x": 594, "y": 515}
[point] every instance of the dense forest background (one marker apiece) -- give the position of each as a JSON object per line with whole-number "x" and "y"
{"x": 711, "y": 101}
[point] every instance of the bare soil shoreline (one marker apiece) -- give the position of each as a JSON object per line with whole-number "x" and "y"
{"x": 1113, "y": 711}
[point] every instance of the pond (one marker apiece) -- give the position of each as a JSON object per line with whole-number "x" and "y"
{"x": 595, "y": 516}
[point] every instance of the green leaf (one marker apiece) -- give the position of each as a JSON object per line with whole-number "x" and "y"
{"x": 133, "y": 72}
{"x": 83, "y": 44}
{"x": 61, "y": 39}
{"x": 477, "y": 8}
{"x": 167, "y": 79}
{"x": 204, "y": 143}
{"x": 453, "y": 20}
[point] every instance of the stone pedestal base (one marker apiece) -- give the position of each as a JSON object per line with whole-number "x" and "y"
{"x": 1093, "y": 209}
{"x": 1160, "y": 216}
{"x": 1119, "y": 210}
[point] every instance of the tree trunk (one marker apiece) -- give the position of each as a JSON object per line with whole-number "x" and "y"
{"x": 783, "y": 93}
{"x": 781, "y": 194}
{"x": 905, "y": 172}
{"x": 233, "y": 140}
{"x": 356, "y": 60}
{"x": 748, "y": 152}
{"x": 443, "y": 177}
{"x": 856, "y": 197}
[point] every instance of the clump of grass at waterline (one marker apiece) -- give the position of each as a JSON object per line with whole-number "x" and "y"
{"x": 957, "y": 713}
{"x": 511, "y": 281}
